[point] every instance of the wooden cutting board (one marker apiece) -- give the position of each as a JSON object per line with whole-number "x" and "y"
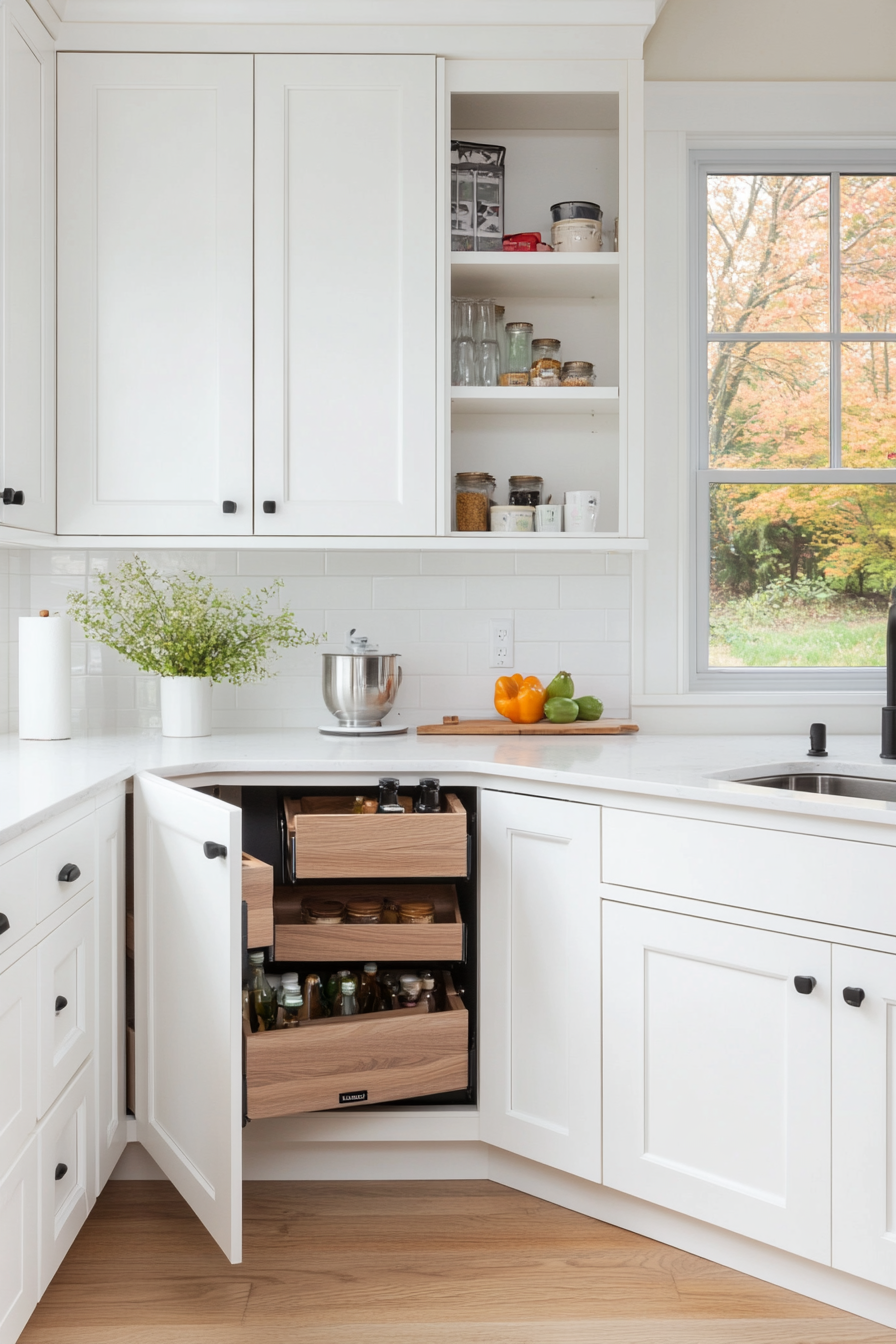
{"x": 451, "y": 727}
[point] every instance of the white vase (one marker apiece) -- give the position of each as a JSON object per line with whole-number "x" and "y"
{"x": 186, "y": 706}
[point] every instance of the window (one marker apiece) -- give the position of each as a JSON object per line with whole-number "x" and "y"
{"x": 795, "y": 344}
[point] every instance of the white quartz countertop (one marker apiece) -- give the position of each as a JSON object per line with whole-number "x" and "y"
{"x": 38, "y": 778}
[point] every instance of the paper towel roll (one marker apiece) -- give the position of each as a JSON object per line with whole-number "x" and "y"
{"x": 45, "y": 677}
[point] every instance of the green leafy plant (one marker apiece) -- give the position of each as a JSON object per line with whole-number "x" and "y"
{"x": 182, "y": 625}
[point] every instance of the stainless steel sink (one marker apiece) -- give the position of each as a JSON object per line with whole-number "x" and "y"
{"x": 842, "y": 786}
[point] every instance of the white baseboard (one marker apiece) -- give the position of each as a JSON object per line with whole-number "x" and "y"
{"x": 689, "y": 1234}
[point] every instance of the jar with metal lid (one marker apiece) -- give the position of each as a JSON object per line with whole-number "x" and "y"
{"x": 364, "y": 911}
{"x": 545, "y": 371}
{"x": 577, "y": 373}
{"x": 525, "y": 490}
{"x": 316, "y": 910}
{"x": 416, "y": 912}
{"x": 473, "y": 495}
{"x": 518, "y": 343}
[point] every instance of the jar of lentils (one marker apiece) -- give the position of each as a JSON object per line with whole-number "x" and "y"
{"x": 474, "y": 493}
{"x": 526, "y": 490}
{"x": 545, "y": 371}
{"x": 577, "y": 373}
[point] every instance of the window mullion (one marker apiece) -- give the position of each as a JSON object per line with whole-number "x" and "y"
{"x": 836, "y": 428}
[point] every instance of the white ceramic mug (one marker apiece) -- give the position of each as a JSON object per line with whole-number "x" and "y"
{"x": 582, "y": 508}
{"x": 548, "y": 517}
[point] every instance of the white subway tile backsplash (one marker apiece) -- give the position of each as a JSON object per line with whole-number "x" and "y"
{"x": 433, "y": 608}
{"x": 422, "y": 592}
{"x": 619, "y": 562}
{"x": 594, "y": 592}
{"x": 518, "y": 591}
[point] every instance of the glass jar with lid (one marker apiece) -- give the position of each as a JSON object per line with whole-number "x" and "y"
{"x": 518, "y": 347}
{"x": 474, "y": 492}
{"x": 545, "y": 371}
{"x": 577, "y": 373}
{"x": 526, "y": 490}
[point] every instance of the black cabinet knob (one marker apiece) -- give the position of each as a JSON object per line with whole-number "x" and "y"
{"x": 61, "y": 1002}
{"x": 4, "y": 923}
{"x": 211, "y": 850}
{"x": 229, "y": 506}
{"x": 11, "y": 496}
{"x": 853, "y": 996}
{"x": 269, "y": 506}
{"x": 61, "y": 1169}
{"x": 804, "y": 984}
{"x": 70, "y": 872}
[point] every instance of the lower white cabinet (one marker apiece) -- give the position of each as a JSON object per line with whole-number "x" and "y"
{"x": 540, "y": 980}
{"x": 18, "y": 1056}
{"x": 864, "y": 1114}
{"x": 717, "y": 1073}
{"x": 65, "y": 1005}
{"x": 109, "y": 1035}
{"x": 18, "y": 1244}
{"x": 66, "y": 1180}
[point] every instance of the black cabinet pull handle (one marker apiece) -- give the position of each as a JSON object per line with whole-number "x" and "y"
{"x": 70, "y": 872}
{"x": 804, "y": 984}
{"x": 212, "y": 850}
{"x": 61, "y": 1002}
{"x": 11, "y": 496}
{"x": 61, "y": 1169}
{"x": 853, "y": 996}
{"x": 229, "y": 506}
{"x": 4, "y": 923}
{"x": 269, "y": 506}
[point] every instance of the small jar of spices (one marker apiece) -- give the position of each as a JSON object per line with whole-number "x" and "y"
{"x": 526, "y": 490}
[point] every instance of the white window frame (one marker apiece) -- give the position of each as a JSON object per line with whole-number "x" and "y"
{"x": 751, "y": 159}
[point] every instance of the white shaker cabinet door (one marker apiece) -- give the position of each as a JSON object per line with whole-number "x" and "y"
{"x": 27, "y": 255}
{"x": 539, "y": 1062}
{"x": 155, "y": 293}
{"x": 717, "y": 1074}
{"x": 18, "y": 1056}
{"x": 345, "y": 272}
{"x": 864, "y": 1114}
{"x": 189, "y": 1076}
{"x": 19, "y": 1208}
{"x": 109, "y": 1037}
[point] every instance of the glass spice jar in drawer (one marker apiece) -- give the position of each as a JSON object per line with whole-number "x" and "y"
{"x": 473, "y": 495}
{"x": 318, "y": 911}
{"x": 416, "y": 912}
{"x": 526, "y": 490}
{"x": 364, "y": 912}
{"x": 545, "y": 370}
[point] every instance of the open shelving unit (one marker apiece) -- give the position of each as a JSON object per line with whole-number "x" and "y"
{"x": 566, "y": 142}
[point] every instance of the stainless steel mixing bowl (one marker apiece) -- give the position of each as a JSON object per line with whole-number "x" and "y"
{"x": 360, "y": 688}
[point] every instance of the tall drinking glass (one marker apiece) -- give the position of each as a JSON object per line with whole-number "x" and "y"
{"x": 487, "y": 351}
{"x": 465, "y": 373}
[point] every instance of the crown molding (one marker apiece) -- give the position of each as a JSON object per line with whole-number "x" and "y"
{"x": 327, "y": 13}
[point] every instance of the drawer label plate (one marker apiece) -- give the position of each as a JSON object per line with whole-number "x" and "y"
{"x": 345, "y": 1097}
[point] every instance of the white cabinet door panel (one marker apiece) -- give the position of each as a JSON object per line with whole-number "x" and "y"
{"x": 187, "y": 911}
{"x": 155, "y": 293}
{"x": 18, "y": 884}
{"x": 18, "y": 1056}
{"x": 109, "y": 1050}
{"x": 66, "y": 1181}
{"x": 65, "y": 1010}
{"x": 864, "y": 1115}
{"x": 345, "y": 295}
{"x": 57, "y": 855}
{"x": 18, "y": 1244}
{"x": 539, "y": 1064}
{"x": 27, "y": 419}
{"x": 717, "y": 1074}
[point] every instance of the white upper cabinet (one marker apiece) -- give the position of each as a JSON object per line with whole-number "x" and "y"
{"x": 27, "y": 421}
{"x": 345, "y": 272}
{"x": 155, "y": 293}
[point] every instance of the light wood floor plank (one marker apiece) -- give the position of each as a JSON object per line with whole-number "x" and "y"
{"x": 452, "y": 1262}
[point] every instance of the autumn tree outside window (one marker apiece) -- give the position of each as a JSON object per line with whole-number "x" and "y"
{"x": 795, "y": 420}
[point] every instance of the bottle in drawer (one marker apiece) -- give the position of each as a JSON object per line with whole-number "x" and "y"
{"x": 262, "y": 994}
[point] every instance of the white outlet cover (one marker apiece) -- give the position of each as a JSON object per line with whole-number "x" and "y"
{"x": 500, "y": 643}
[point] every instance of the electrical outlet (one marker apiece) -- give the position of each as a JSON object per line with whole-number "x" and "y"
{"x": 500, "y": 643}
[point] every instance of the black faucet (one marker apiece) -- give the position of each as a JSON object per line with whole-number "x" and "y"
{"x": 888, "y": 713}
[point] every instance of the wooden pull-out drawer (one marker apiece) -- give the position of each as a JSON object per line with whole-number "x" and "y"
{"x": 356, "y": 1061}
{"x": 296, "y": 941}
{"x": 258, "y": 893}
{"x": 328, "y": 840}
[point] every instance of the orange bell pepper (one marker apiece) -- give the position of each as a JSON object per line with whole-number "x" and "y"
{"x": 520, "y": 700}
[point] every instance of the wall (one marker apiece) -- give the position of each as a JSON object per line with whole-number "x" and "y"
{"x": 570, "y": 610}
{"x": 773, "y": 40}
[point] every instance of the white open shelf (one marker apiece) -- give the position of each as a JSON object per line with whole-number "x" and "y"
{"x": 531, "y": 275}
{"x": 535, "y": 400}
